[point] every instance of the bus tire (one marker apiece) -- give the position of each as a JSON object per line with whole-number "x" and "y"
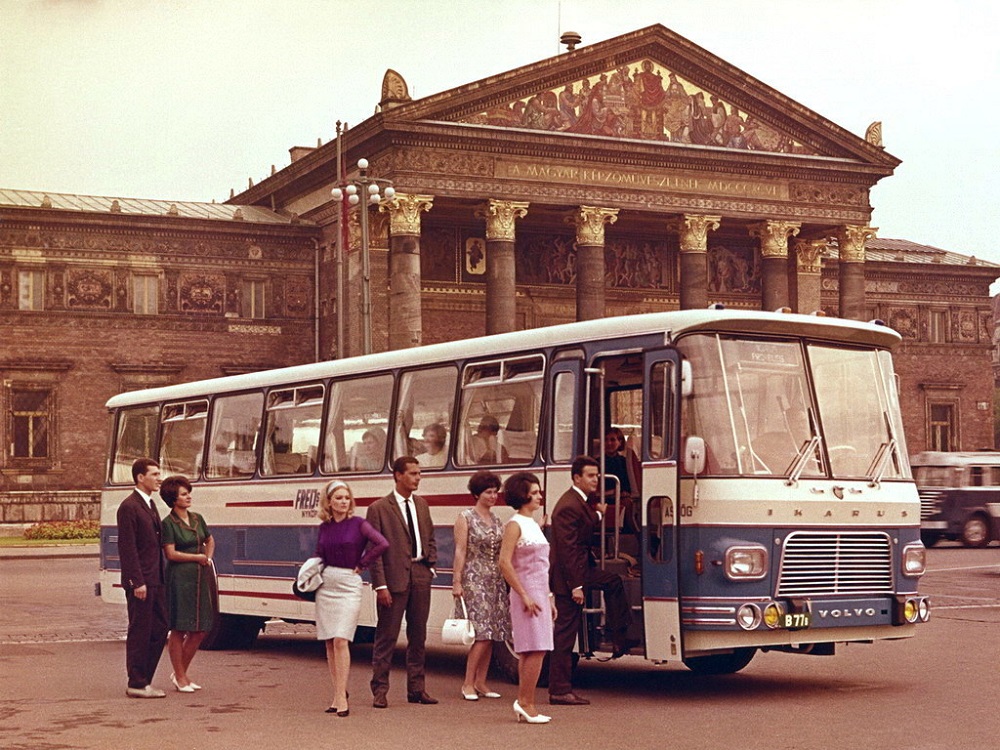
{"x": 930, "y": 538}
{"x": 720, "y": 663}
{"x": 976, "y": 531}
{"x": 233, "y": 632}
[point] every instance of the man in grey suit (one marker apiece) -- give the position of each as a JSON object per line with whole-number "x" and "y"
{"x": 402, "y": 581}
{"x": 141, "y": 554}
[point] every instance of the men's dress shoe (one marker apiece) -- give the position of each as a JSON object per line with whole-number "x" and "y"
{"x": 569, "y": 699}
{"x": 421, "y": 698}
{"x": 146, "y": 692}
{"x": 379, "y": 701}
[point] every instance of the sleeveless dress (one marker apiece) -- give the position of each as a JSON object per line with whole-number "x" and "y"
{"x": 531, "y": 563}
{"x": 485, "y": 589}
{"x": 190, "y": 585}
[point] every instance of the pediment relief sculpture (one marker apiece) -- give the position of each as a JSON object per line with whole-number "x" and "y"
{"x": 641, "y": 100}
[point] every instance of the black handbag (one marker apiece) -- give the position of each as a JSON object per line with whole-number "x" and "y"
{"x": 309, "y": 596}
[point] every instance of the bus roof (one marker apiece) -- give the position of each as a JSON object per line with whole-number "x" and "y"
{"x": 670, "y": 324}
{"x": 955, "y": 458}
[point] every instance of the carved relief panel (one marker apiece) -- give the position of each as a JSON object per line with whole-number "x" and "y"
{"x": 298, "y": 297}
{"x": 201, "y": 293}
{"x": 88, "y": 289}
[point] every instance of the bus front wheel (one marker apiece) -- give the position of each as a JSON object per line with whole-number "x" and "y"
{"x": 976, "y": 531}
{"x": 720, "y": 663}
{"x": 233, "y": 632}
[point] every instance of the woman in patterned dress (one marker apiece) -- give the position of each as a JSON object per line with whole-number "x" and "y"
{"x": 188, "y": 546}
{"x": 477, "y": 579}
{"x": 524, "y": 561}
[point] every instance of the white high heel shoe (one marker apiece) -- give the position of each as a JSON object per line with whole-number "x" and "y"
{"x": 520, "y": 713}
{"x": 180, "y": 688}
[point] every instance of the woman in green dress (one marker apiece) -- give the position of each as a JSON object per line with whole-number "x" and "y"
{"x": 188, "y": 546}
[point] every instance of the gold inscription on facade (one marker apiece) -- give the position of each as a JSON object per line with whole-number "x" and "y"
{"x": 640, "y": 179}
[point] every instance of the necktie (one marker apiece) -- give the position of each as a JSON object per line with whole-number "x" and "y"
{"x": 413, "y": 530}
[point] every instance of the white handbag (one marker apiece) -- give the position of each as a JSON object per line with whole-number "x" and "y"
{"x": 458, "y": 631}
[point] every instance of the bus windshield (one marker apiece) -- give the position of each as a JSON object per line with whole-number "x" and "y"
{"x": 777, "y": 408}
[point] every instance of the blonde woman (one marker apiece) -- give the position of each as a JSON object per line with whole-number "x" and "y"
{"x": 347, "y": 545}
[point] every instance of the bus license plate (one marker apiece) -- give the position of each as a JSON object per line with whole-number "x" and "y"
{"x": 796, "y": 620}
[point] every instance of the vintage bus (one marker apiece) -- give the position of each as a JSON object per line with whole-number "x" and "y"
{"x": 773, "y": 508}
{"x": 959, "y": 496}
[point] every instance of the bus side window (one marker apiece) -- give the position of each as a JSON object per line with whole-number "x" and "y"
{"x": 423, "y": 413}
{"x": 135, "y": 438}
{"x": 183, "y": 438}
{"x": 291, "y": 435}
{"x": 233, "y": 439}
{"x": 356, "y": 428}
{"x": 977, "y": 476}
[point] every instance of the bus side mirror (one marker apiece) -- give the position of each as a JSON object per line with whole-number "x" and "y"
{"x": 687, "y": 379}
{"x": 694, "y": 455}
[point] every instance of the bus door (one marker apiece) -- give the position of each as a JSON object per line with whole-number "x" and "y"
{"x": 565, "y": 429}
{"x": 659, "y": 496}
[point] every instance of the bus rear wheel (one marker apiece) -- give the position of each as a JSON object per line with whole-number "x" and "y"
{"x": 720, "y": 663}
{"x": 233, "y": 632}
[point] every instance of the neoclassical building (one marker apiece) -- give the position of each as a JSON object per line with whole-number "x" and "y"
{"x": 641, "y": 173}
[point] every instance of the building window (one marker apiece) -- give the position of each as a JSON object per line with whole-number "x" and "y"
{"x": 145, "y": 295}
{"x": 253, "y": 299}
{"x": 31, "y": 290}
{"x": 942, "y": 432}
{"x": 30, "y": 422}
{"x": 937, "y": 327}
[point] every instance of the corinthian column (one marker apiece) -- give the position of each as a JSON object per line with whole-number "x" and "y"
{"x": 773, "y": 237}
{"x": 501, "y": 303}
{"x": 851, "y": 241}
{"x": 405, "y": 325}
{"x": 693, "y": 230}
{"x": 589, "y": 222}
{"x": 808, "y": 272}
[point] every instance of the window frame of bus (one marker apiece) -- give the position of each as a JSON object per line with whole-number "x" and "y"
{"x": 149, "y": 416}
{"x": 404, "y": 390}
{"x": 214, "y": 423}
{"x": 328, "y": 467}
{"x": 508, "y": 372}
{"x": 183, "y": 412}
{"x": 311, "y": 460}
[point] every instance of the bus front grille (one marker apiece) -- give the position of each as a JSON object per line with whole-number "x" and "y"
{"x": 816, "y": 563}
{"x": 930, "y": 503}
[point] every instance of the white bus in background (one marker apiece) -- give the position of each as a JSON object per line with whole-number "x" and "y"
{"x": 772, "y": 493}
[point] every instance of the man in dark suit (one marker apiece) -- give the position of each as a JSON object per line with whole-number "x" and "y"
{"x": 402, "y": 581}
{"x": 141, "y": 554}
{"x": 573, "y": 571}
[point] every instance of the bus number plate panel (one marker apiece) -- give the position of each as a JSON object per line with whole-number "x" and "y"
{"x": 796, "y": 620}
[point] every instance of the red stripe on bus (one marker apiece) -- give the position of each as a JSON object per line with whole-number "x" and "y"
{"x": 436, "y": 501}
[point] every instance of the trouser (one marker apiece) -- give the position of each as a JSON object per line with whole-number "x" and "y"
{"x": 147, "y": 634}
{"x": 617, "y": 617}
{"x": 415, "y": 603}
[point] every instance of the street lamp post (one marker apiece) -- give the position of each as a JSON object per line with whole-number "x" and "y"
{"x": 373, "y": 190}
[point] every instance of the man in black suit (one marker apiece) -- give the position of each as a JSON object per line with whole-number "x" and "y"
{"x": 402, "y": 581}
{"x": 141, "y": 554}
{"x": 573, "y": 570}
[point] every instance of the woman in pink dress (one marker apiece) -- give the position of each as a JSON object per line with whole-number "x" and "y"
{"x": 524, "y": 562}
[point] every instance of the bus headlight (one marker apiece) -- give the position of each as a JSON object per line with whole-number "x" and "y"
{"x": 914, "y": 560}
{"x": 746, "y": 563}
{"x": 910, "y": 610}
{"x": 748, "y": 616}
{"x": 924, "y": 609}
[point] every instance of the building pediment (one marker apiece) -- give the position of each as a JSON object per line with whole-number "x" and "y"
{"x": 651, "y": 85}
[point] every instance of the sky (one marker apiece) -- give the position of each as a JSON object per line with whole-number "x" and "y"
{"x": 187, "y": 99}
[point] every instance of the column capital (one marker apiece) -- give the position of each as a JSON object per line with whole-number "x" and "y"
{"x": 693, "y": 230}
{"x": 774, "y": 236}
{"x": 404, "y": 212}
{"x": 851, "y": 241}
{"x": 589, "y": 222}
{"x": 809, "y": 255}
{"x": 500, "y": 216}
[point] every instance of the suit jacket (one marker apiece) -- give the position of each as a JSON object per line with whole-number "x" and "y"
{"x": 573, "y": 526}
{"x": 392, "y": 569}
{"x": 140, "y": 543}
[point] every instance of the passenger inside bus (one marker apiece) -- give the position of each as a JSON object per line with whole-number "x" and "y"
{"x": 435, "y": 447}
{"x": 486, "y": 441}
{"x": 369, "y": 453}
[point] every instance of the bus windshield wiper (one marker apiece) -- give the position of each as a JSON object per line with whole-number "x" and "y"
{"x": 801, "y": 459}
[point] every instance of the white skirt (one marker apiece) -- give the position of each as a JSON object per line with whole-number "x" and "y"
{"x": 338, "y": 604}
